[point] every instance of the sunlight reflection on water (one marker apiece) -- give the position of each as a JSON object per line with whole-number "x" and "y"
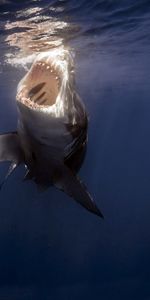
{"x": 34, "y": 34}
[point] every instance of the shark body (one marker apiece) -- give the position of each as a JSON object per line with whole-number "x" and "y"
{"x": 52, "y": 128}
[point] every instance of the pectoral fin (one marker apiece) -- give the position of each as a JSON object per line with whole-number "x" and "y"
{"x": 10, "y": 150}
{"x": 66, "y": 181}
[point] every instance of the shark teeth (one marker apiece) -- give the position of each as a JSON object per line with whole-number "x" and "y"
{"x": 49, "y": 68}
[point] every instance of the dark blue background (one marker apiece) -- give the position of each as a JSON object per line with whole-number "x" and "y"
{"x": 50, "y": 247}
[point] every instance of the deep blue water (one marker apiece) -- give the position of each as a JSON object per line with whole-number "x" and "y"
{"x": 50, "y": 247}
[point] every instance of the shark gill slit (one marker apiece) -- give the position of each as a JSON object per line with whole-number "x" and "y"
{"x": 36, "y": 89}
{"x": 38, "y": 99}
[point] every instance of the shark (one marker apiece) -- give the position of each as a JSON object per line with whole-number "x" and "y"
{"x": 51, "y": 135}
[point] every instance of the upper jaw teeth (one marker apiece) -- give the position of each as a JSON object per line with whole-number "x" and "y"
{"x": 48, "y": 67}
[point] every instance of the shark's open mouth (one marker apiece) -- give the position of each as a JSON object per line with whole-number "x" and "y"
{"x": 49, "y": 86}
{"x": 41, "y": 86}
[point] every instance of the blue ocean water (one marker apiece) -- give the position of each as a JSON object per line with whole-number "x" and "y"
{"x": 50, "y": 247}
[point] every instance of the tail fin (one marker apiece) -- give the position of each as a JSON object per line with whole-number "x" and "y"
{"x": 66, "y": 181}
{"x": 10, "y": 150}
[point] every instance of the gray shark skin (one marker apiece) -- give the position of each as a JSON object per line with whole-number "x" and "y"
{"x": 52, "y": 128}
